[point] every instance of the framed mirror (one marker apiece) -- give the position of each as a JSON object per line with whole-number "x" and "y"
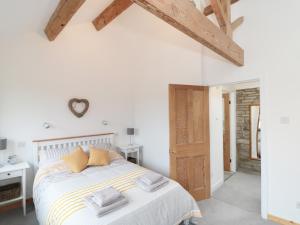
{"x": 255, "y": 132}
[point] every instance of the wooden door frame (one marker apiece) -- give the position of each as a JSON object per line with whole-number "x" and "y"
{"x": 228, "y": 125}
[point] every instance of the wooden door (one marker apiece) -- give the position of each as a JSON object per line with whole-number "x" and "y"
{"x": 189, "y": 138}
{"x": 226, "y": 133}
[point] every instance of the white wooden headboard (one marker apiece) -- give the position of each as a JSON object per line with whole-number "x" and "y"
{"x": 72, "y": 142}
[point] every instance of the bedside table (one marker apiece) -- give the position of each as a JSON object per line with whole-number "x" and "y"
{"x": 129, "y": 149}
{"x": 12, "y": 171}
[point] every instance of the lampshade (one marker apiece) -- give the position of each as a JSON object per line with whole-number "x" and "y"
{"x": 3, "y": 143}
{"x": 130, "y": 131}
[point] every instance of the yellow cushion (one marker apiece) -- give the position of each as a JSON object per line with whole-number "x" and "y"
{"x": 98, "y": 157}
{"x": 113, "y": 155}
{"x": 77, "y": 160}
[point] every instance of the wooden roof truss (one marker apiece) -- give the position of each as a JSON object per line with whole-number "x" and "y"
{"x": 181, "y": 14}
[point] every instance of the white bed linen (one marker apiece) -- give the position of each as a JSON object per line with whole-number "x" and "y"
{"x": 167, "y": 206}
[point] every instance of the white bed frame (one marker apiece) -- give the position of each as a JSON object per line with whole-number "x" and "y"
{"x": 72, "y": 142}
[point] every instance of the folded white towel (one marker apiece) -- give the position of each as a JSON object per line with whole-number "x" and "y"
{"x": 106, "y": 196}
{"x": 153, "y": 187}
{"x": 101, "y": 211}
{"x": 151, "y": 178}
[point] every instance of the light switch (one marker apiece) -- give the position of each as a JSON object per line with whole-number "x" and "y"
{"x": 284, "y": 120}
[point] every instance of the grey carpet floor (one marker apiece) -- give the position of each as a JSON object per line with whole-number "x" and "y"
{"x": 15, "y": 217}
{"x": 227, "y": 175}
{"x": 237, "y": 202}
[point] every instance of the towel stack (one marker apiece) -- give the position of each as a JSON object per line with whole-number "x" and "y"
{"x": 105, "y": 201}
{"x": 151, "y": 181}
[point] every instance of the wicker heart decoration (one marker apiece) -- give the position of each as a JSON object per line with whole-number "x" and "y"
{"x": 79, "y": 107}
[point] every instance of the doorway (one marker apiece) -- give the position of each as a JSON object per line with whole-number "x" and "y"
{"x": 248, "y": 138}
{"x": 241, "y": 127}
{"x": 236, "y": 160}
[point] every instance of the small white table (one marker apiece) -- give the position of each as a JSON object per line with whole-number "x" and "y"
{"x": 12, "y": 171}
{"x": 129, "y": 149}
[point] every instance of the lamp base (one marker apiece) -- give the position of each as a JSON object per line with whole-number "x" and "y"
{"x": 131, "y": 142}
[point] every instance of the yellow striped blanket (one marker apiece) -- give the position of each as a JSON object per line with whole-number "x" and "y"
{"x": 59, "y": 197}
{"x": 72, "y": 202}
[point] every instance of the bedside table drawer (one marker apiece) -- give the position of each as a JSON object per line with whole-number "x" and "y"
{"x": 130, "y": 150}
{"x": 8, "y": 175}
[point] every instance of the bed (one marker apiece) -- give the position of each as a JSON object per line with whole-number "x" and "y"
{"x": 58, "y": 193}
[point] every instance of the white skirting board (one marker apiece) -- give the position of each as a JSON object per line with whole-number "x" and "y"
{"x": 216, "y": 186}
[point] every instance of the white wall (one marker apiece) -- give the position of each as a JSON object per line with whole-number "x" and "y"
{"x": 216, "y": 114}
{"x": 38, "y": 78}
{"x": 169, "y": 57}
{"x": 216, "y": 137}
{"x": 272, "y": 52}
{"x": 124, "y": 70}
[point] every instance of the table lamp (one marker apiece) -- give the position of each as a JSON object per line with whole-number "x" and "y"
{"x": 3, "y": 145}
{"x": 130, "y": 132}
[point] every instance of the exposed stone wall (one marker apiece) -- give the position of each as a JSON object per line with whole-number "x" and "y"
{"x": 244, "y": 99}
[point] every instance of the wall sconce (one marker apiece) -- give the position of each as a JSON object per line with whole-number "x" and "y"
{"x": 46, "y": 125}
{"x": 104, "y": 122}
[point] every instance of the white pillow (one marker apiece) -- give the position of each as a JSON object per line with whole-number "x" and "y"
{"x": 104, "y": 146}
{"x": 52, "y": 155}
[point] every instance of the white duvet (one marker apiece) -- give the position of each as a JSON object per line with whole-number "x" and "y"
{"x": 58, "y": 197}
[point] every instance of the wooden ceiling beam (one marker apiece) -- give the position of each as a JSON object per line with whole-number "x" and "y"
{"x": 208, "y": 10}
{"x": 65, "y": 10}
{"x": 235, "y": 24}
{"x": 227, "y": 14}
{"x": 184, "y": 16}
{"x": 111, "y": 12}
{"x": 181, "y": 14}
{"x": 227, "y": 8}
{"x": 218, "y": 9}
